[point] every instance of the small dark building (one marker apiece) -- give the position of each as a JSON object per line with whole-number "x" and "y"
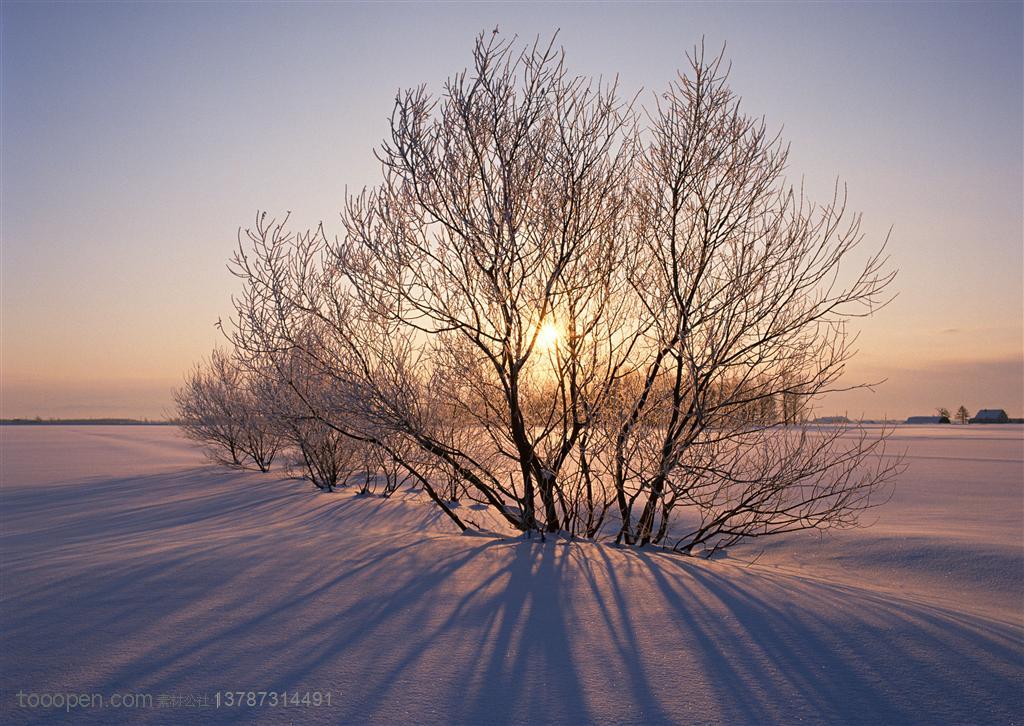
{"x": 928, "y": 420}
{"x": 990, "y": 415}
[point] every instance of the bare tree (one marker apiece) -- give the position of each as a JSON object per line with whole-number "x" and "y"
{"x": 207, "y": 407}
{"x": 743, "y": 273}
{"x": 590, "y": 317}
{"x": 337, "y": 363}
{"x": 320, "y": 453}
{"x": 962, "y": 415}
{"x": 261, "y": 439}
{"x": 325, "y": 457}
{"x": 389, "y": 460}
{"x": 501, "y": 236}
{"x": 218, "y": 408}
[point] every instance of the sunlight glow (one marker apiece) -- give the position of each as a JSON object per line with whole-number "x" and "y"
{"x": 548, "y": 337}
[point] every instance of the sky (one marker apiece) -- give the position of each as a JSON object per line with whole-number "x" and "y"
{"x": 135, "y": 139}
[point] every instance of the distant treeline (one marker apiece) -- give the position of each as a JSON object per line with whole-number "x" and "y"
{"x": 83, "y": 422}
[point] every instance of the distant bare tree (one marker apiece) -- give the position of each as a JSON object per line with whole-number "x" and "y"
{"x": 593, "y": 319}
{"x": 943, "y": 412}
{"x": 217, "y": 408}
{"x": 962, "y": 415}
{"x": 389, "y": 461}
{"x": 325, "y": 457}
{"x": 208, "y": 408}
{"x": 261, "y": 439}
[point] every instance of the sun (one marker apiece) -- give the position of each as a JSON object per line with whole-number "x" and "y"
{"x": 548, "y": 337}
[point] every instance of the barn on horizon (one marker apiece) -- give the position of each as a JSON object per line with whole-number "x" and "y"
{"x": 990, "y": 415}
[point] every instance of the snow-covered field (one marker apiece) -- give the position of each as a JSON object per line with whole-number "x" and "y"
{"x": 130, "y": 566}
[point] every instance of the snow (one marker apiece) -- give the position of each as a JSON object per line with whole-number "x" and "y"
{"x": 130, "y": 565}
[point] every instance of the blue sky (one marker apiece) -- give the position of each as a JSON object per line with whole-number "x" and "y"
{"x": 137, "y": 138}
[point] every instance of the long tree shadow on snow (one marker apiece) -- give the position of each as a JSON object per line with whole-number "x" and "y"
{"x": 437, "y": 628}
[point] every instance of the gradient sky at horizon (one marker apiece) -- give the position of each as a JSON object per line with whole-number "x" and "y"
{"x": 137, "y": 138}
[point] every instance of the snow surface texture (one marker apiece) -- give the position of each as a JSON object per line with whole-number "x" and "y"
{"x": 129, "y": 565}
